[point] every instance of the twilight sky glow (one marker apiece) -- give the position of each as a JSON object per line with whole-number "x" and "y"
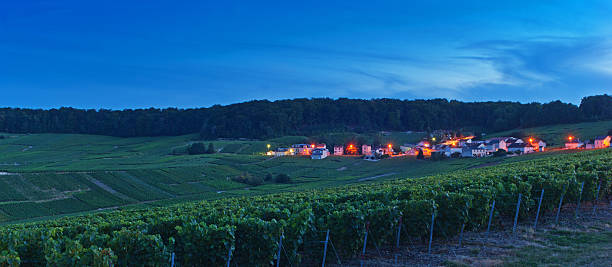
{"x": 131, "y": 54}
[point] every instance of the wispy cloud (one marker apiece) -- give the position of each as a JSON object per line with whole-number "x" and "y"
{"x": 537, "y": 61}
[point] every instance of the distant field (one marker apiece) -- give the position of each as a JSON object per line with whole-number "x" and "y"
{"x": 44, "y": 175}
{"x": 555, "y": 135}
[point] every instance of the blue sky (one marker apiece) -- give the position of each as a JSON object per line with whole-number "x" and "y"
{"x": 132, "y": 54}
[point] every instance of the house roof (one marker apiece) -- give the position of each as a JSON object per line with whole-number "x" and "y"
{"x": 318, "y": 151}
{"x": 473, "y": 145}
{"x": 602, "y": 137}
{"x": 519, "y": 145}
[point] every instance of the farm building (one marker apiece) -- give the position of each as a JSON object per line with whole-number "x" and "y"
{"x": 523, "y": 148}
{"x": 338, "y": 150}
{"x": 319, "y": 153}
{"x": 602, "y": 141}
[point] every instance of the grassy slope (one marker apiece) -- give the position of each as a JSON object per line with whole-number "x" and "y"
{"x": 55, "y": 174}
{"x": 555, "y": 135}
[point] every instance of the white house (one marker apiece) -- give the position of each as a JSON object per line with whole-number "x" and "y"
{"x": 338, "y": 150}
{"x": 319, "y": 153}
{"x": 474, "y": 150}
{"x": 523, "y": 148}
{"x": 366, "y": 150}
{"x": 602, "y": 141}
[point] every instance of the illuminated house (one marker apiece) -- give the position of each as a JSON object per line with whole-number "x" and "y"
{"x": 302, "y": 149}
{"x": 282, "y": 151}
{"x": 338, "y": 150}
{"x": 351, "y": 150}
{"x": 602, "y": 141}
{"x": 319, "y": 153}
{"x": 366, "y": 150}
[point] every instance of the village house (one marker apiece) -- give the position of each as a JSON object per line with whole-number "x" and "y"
{"x": 302, "y": 149}
{"x": 497, "y": 144}
{"x": 450, "y": 150}
{"x": 283, "y": 151}
{"x": 382, "y": 150}
{"x": 351, "y": 150}
{"x": 366, "y": 150}
{"x": 493, "y": 145}
{"x": 589, "y": 144}
{"x": 512, "y": 140}
{"x": 522, "y": 148}
{"x": 338, "y": 150}
{"x": 573, "y": 144}
{"x": 473, "y": 150}
{"x": 541, "y": 146}
{"x": 423, "y": 143}
{"x": 319, "y": 153}
{"x": 407, "y": 148}
{"x": 602, "y": 141}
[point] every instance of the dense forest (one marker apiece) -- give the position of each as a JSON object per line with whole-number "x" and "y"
{"x": 264, "y": 119}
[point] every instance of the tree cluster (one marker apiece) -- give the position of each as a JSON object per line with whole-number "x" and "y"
{"x": 199, "y": 148}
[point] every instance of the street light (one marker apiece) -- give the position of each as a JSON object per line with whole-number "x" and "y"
{"x": 268, "y": 145}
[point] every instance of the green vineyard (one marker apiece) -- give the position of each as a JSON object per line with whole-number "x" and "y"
{"x": 246, "y": 230}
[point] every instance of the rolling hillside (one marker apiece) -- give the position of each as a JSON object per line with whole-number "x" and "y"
{"x": 56, "y": 174}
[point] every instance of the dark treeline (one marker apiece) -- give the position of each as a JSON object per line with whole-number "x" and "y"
{"x": 258, "y": 119}
{"x": 264, "y": 119}
{"x": 126, "y": 123}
